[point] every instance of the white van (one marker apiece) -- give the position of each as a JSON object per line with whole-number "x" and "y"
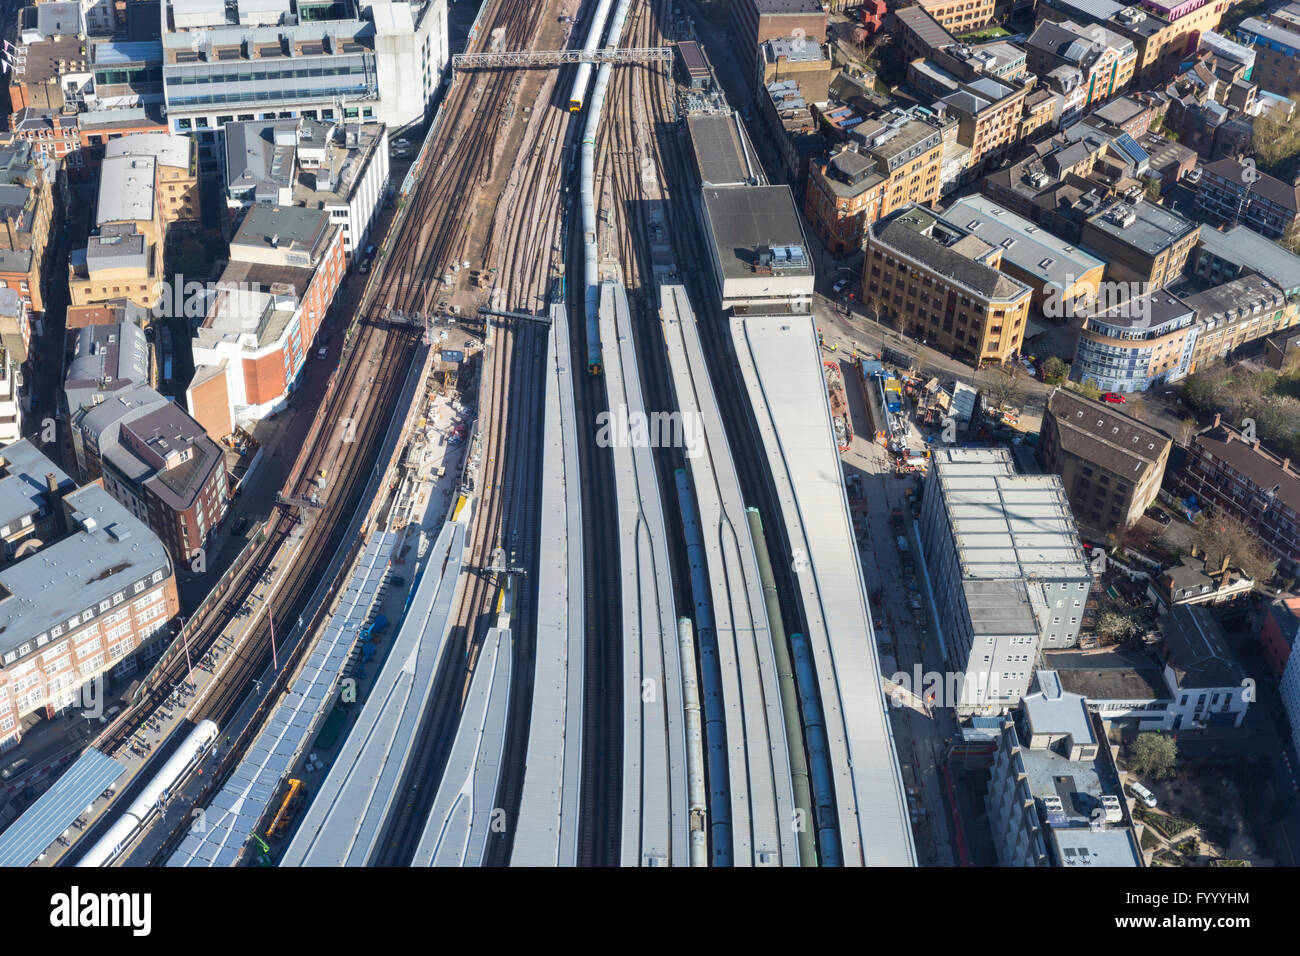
{"x": 1143, "y": 794}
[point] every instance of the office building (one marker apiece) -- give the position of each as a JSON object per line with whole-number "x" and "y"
{"x": 940, "y": 282}
{"x": 1006, "y": 568}
{"x": 1063, "y": 278}
{"x": 341, "y": 168}
{"x": 286, "y": 263}
{"x": 759, "y": 255}
{"x": 1140, "y": 242}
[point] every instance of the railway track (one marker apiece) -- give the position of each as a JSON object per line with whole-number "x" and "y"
{"x": 514, "y": 242}
{"x": 431, "y": 233}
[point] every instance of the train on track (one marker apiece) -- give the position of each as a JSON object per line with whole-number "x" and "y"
{"x": 819, "y": 759}
{"x": 715, "y": 728}
{"x": 595, "y": 362}
{"x": 578, "y": 95}
{"x": 146, "y": 805}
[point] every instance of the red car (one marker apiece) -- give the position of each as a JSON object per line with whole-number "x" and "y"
{"x": 1115, "y": 398}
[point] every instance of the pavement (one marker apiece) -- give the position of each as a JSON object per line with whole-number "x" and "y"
{"x": 921, "y": 733}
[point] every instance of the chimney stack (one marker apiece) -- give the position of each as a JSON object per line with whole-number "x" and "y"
{"x": 1217, "y": 418}
{"x": 55, "y": 498}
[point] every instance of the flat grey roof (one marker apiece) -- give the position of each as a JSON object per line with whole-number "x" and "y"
{"x": 1154, "y": 229}
{"x": 1084, "y": 847}
{"x": 746, "y": 217}
{"x": 1246, "y": 248}
{"x": 1007, "y": 526}
{"x": 722, "y": 152}
{"x": 1028, "y": 246}
{"x": 1110, "y": 675}
{"x": 167, "y": 149}
{"x": 126, "y": 189}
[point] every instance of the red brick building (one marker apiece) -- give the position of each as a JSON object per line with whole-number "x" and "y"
{"x": 754, "y": 21}
{"x": 55, "y": 638}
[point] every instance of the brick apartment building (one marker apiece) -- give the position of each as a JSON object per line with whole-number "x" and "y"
{"x": 54, "y": 638}
{"x": 1231, "y": 194}
{"x": 26, "y": 215}
{"x": 754, "y": 21}
{"x": 158, "y": 462}
{"x": 893, "y": 161}
{"x": 1248, "y": 482}
{"x": 1111, "y": 464}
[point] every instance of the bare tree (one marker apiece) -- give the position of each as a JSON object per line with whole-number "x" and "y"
{"x": 1222, "y": 535}
{"x": 1003, "y": 385}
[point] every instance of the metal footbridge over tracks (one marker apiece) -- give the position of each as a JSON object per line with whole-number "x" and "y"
{"x": 540, "y": 58}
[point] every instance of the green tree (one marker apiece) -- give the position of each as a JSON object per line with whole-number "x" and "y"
{"x": 1055, "y": 370}
{"x": 1154, "y": 755}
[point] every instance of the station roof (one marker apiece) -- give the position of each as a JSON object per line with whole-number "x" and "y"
{"x": 55, "y": 810}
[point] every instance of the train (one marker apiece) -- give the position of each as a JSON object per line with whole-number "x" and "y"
{"x": 583, "y": 78}
{"x": 789, "y": 695}
{"x": 819, "y": 757}
{"x": 715, "y": 727}
{"x": 142, "y": 809}
{"x": 590, "y": 253}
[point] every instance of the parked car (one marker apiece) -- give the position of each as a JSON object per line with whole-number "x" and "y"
{"x": 14, "y": 768}
{"x": 239, "y": 527}
{"x": 1115, "y": 398}
{"x": 840, "y": 286}
{"x": 1155, "y": 514}
{"x": 1143, "y": 794}
{"x": 1194, "y": 176}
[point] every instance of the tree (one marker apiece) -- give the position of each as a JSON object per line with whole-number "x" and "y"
{"x": 1003, "y": 385}
{"x": 1055, "y": 370}
{"x": 1275, "y": 144}
{"x": 1186, "y": 429}
{"x": 1086, "y": 389}
{"x": 1115, "y": 626}
{"x": 1154, "y": 755}
{"x": 1221, "y": 535}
